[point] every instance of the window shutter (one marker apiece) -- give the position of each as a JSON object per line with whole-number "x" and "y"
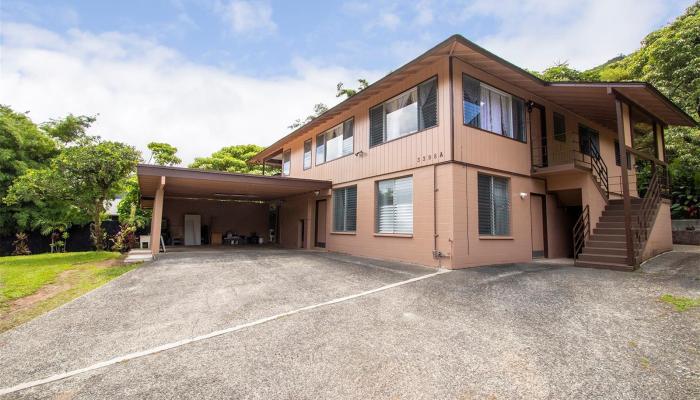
{"x": 519, "y": 119}
{"x": 348, "y": 128}
{"x": 351, "y": 208}
{"x": 427, "y": 99}
{"x": 485, "y": 205}
{"x": 501, "y": 206}
{"x": 471, "y": 94}
{"x": 617, "y": 153}
{"x": 376, "y": 125}
{"x": 338, "y": 209}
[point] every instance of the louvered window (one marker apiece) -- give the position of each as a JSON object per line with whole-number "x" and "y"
{"x": 335, "y": 142}
{"x": 307, "y": 154}
{"x": 411, "y": 111}
{"x": 494, "y": 206}
{"x": 286, "y": 162}
{"x": 345, "y": 209}
{"x": 492, "y": 110}
{"x": 559, "y": 127}
{"x": 394, "y": 208}
{"x": 588, "y": 137}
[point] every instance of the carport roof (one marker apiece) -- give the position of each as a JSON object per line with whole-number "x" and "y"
{"x": 203, "y": 184}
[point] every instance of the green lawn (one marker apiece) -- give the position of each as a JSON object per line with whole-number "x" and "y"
{"x": 22, "y": 276}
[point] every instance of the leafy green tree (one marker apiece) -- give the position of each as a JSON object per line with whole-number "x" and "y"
{"x": 23, "y": 146}
{"x": 349, "y": 92}
{"x": 68, "y": 130}
{"x": 319, "y": 109}
{"x": 231, "y": 159}
{"x": 164, "y": 153}
{"x": 129, "y": 205}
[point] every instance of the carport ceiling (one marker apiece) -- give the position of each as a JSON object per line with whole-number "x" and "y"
{"x": 201, "y": 184}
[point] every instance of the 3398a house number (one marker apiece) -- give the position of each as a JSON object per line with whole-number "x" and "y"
{"x": 429, "y": 157}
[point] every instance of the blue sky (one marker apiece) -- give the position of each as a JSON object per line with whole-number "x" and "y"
{"x": 233, "y": 71}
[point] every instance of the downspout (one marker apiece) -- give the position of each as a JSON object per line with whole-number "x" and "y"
{"x": 436, "y": 253}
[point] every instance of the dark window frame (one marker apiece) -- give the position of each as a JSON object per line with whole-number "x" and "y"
{"x": 524, "y": 138}
{"x": 493, "y": 207}
{"x": 287, "y": 154}
{"x": 559, "y": 136}
{"x": 325, "y": 142}
{"x": 381, "y": 104}
{"x": 344, "y": 229}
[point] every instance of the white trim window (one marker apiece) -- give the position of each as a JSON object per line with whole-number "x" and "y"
{"x": 345, "y": 209}
{"x": 335, "y": 142}
{"x": 493, "y": 110}
{"x": 494, "y": 205}
{"x": 286, "y": 162}
{"x": 394, "y": 206}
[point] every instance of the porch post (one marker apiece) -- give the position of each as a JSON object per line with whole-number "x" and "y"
{"x": 627, "y": 203}
{"x": 157, "y": 218}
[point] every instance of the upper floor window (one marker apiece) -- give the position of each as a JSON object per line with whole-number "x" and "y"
{"x": 407, "y": 113}
{"x": 336, "y": 142}
{"x": 494, "y": 205}
{"x": 307, "y": 154}
{"x": 286, "y": 162}
{"x": 559, "y": 127}
{"x": 618, "y": 156}
{"x": 345, "y": 209}
{"x": 490, "y": 109}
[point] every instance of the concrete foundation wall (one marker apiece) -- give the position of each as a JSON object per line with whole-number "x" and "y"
{"x": 660, "y": 238}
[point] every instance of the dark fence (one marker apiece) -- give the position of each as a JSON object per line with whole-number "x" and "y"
{"x": 79, "y": 239}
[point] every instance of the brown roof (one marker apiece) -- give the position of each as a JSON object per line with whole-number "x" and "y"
{"x": 589, "y": 99}
{"x": 198, "y": 183}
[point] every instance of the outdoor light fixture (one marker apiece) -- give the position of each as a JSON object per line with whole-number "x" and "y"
{"x": 523, "y": 195}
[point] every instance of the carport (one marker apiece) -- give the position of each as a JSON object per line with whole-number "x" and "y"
{"x": 184, "y": 200}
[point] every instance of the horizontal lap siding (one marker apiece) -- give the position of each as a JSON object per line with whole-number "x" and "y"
{"x": 399, "y": 154}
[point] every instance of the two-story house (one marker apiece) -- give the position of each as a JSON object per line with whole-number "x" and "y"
{"x": 456, "y": 159}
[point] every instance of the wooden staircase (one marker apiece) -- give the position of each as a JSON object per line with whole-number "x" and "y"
{"x": 606, "y": 247}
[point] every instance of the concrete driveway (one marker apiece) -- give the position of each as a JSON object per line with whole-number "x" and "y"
{"x": 517, "y": 331}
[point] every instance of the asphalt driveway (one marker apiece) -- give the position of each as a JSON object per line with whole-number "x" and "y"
{"x": 517, "y": 331}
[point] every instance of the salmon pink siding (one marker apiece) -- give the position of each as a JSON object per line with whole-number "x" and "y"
{"x": 444, "y": 162}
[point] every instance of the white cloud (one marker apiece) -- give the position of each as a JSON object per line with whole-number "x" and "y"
{"x": 424, "y": 13}
{"x": 536, "y": 33}
{"x": 389, "y": 20}
{"x": 249, "y": 16}
{"x": 144, "y": 91}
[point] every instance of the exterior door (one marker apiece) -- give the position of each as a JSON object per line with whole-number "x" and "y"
{"x": 320, "y": 231}
{"x": 193, "y": 230}
{"x": 537, "y": 218}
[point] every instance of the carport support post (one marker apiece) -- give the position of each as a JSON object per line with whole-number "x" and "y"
{"x": 157, "y": 218}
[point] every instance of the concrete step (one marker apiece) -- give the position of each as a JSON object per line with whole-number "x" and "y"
{"x": 619, "y": 213}
{"x": 608, "y": 238}
{"x": 615, "y": 251}
{"x": 611, "y": 225}
{"x": 621, "y": 207}
{"x": 600, "y": 265}
{"x": 609, "y": 231}
{"x": 605, "y": 244}
{"x": 603, "y": 258}
{"x": 634, "y": 200}
{"x": 613, "y": 218}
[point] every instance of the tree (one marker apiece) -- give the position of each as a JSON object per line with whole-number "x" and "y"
{"x": 231, "y": 159}
{"x": 23, "y": 146}
{"x": 319, "y": 109}
{"x": 130, "y": 204}
{"x": 95, "y": 173}
{"x": 164, "y": 154}
{"x": 348, "y": 92}
{"x": 68, "y": 130}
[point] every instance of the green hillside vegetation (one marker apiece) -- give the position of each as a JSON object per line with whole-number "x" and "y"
{"x": 669, "y": 59}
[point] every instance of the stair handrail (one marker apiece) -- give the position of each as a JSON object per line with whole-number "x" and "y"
{"x": 582, "y": 231}
{"x": 647, "y": 211}
{"x": 598, "y": 166}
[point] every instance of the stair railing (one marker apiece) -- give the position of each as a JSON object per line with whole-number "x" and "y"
{"x": 647, "y": 212}
{"x": 600, "y": 170}
{"x": 582, "y": 231}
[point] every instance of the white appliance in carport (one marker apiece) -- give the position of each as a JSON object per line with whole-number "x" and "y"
{"x": 193, "y": 230}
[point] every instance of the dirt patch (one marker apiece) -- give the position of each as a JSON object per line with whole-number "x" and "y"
{"x": 62, "y": 283}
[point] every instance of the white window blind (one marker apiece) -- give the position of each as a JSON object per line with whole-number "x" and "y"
{"x": 395, "y": 206}
{"x": 335, "y": 142}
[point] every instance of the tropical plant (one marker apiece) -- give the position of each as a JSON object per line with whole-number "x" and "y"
{"x": 21, "y": 246}
{"x": 231, "y": 159}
